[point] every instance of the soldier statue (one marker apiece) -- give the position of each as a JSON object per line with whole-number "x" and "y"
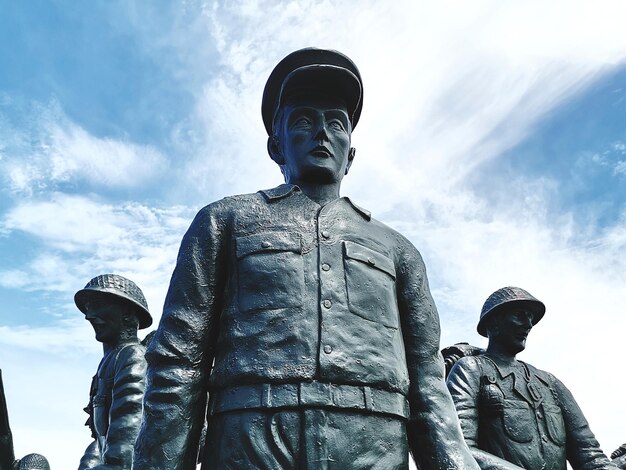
{"x": 116, "y": 309}
{"x": 512, "y": 414}
{"x": 309, "y": 323}
{"x": 31, "y": 462}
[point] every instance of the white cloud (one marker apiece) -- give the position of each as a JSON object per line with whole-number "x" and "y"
{"x": 448, "y": 85}
{"x": 53, "y": 151}
{"x": 83, "y": 237}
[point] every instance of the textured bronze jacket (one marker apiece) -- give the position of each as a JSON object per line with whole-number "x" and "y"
{"x": 115, "y": 407}
{"x": 522, "y": 415}
{"x": 296, "y": 305}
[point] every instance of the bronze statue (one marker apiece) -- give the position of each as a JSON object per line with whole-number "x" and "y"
{"x": 116, "y": 309}
{"x": 309, "y": 323}
{"x": 512, "y": 414}
{"x": 7, "y": 456}
{"x": 32, "y": 462}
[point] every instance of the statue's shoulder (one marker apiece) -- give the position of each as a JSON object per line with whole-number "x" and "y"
{"x": 132, "y": 352}
{"x": 224, "y": 208}
{"x": 471, "y": 363}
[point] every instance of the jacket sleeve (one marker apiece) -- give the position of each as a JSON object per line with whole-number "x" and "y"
{"x": 181, "y": 353}
{"x": 125, "y": 411}
{"x": 464, "y": 386}
{"x": 91, "y": 457}
{"x": 433, "y": 430}
{"x": 583, "y": 450}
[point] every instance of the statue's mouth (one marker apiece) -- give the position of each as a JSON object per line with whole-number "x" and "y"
{"x": 321, "y": 151}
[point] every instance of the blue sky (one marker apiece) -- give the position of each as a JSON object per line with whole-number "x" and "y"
{"x": 492, "y": 135}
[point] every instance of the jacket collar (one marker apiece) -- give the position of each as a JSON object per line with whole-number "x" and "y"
{"x": 516, "y": 370}
{"x": 284, "y": 190}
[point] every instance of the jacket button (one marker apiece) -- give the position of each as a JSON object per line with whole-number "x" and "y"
{"x": 325, "y": 234}
{"x": 328, "y": 349}
{"x": 327, "y": 303}
{"x": 325, "y": 267}
{"x": 266, "y": 244}
{"x": 371, "y": 261}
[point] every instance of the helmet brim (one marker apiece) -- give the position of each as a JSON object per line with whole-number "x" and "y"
{"x": 536, "y": 307}
{"x": 83, "y": 296}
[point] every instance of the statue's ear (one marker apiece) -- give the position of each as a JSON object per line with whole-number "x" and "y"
{"x": 351, "y": 155}
{"x": 273, "y": 148}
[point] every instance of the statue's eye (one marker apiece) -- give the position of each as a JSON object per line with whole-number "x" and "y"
{"x": 336, "y": 124}
{"x": 302, "y": 122}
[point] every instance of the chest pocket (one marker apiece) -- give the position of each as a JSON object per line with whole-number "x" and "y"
{"x": 370, "y": 284}
{"x": 270, "y": 271}
{"x": 554, "y": 424}
{"x": 517, "y": 421}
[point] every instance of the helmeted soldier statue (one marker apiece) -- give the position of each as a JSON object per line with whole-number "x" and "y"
{"x": 116, "y": 308}
{"x": 310, "y": 324}
{"x": 32, "y": 462}
{"x": 512, "y": 414}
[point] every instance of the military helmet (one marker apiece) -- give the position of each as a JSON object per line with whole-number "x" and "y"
{"x": 505, "y": 299}
{"x": 312, "y": 71}
{"x": 32, "y": 462}
{"x": 120, "y": 287}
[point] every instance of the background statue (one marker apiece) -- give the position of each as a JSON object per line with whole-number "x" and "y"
{"x": 310, "y": 322}
{"x": 619, "y": 456}
{"x": 512, "y": 412}
{"x": 6, "y": 438}
{"x": 7, "y": 455}
{"x": 116, "y": 308}
{"x": 32, "y": 462}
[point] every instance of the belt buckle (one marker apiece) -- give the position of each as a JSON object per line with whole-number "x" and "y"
{"x": 316, "y": 394}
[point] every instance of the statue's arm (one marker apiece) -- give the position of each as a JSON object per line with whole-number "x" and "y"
{"x": 91, "y": 457}
{"x": 464, "y": 386}
{"x": 583, "y": 450}
{"x": 433, "y": 430}
{"x": 126, "y": 404}
{"x": 181, "y": 353}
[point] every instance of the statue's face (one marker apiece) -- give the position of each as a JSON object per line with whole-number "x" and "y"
{"x": 106, "y": 319}
{"x": 314, "y": 141}
{"x": 511, "y": 329}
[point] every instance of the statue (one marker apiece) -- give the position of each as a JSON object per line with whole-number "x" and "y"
{"x": 116, "y": 309}
{"x": 619, "y": 456}
{"x": 309, "y": 323}
{"x": 7, "y": 455}
{"x": 512, "y": 414}
{"x": 32, "y": 462}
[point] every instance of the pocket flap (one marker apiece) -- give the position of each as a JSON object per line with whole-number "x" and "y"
{"x": 370, "y": 257}
{"x": 268, "y": 241}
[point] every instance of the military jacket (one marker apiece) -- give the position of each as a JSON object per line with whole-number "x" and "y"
{"x": 522, "y": 415}
{"x": 115, "y": 407}
{"x": 294, "y": 305}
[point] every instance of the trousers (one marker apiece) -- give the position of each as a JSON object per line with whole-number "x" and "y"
{"x": 305, "y": 439}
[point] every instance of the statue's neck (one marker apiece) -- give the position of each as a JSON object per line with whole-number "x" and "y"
{"x": 124, "y": 339}
{"x": 501, "y": 353}
{"x": 320, "y": 193}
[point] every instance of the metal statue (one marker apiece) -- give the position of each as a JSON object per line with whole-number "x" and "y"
{"x": 512, "y": 414}
{"x": 309, "y": 323}
{"x": 116, "y": 309}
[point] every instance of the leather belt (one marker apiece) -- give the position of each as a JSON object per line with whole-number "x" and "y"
{"x": 308, "y": 394}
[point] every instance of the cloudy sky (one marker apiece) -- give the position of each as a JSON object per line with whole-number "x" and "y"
{"x": 492, "y": 136}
